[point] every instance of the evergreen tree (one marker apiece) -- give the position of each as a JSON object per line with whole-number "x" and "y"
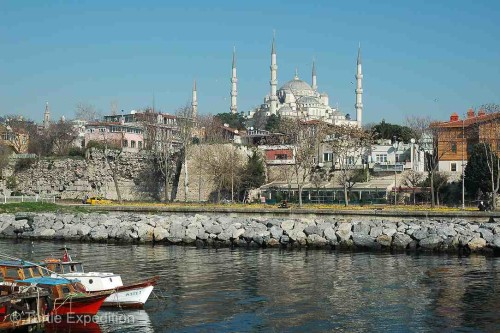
{"x": 254, "y": 173}
{"x": 273, "y": 123}
{"x": 477, "y": 171}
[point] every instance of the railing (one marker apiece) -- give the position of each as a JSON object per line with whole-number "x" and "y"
{"x": 25, "y": 198}
{"x": 377, "y": 167}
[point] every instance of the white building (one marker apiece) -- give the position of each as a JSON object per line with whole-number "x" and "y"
{"x": 296, "y": 98}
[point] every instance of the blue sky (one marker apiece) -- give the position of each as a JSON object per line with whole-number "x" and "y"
{"x": 419, "y": 57}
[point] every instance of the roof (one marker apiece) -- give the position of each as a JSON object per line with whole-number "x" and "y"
{"x": 49, "y": 281}
{"x": 17, "y": 263}
{"x": 468, "y": 121}
{"x": 308, "y": 100}
{"x": 296, "y": 85}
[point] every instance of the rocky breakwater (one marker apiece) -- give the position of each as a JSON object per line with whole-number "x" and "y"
{"x": 223, "y": 231}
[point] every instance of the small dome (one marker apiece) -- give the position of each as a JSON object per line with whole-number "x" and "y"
{"x": 285, "y": 109}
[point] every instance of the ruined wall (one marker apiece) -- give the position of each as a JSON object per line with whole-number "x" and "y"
{"x": 73, "y": 178}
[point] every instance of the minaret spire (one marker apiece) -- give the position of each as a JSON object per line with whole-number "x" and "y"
{"x": 234, "y": 88}
{"x": 359, "y": 89}
{"x": 46, "y": 116}
{"x": 314, "y": 85}
{"x": 274, "y": 80}
{"x": 194, "y": 102}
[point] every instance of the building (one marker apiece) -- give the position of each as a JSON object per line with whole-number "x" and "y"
{"x": 299, "y": 99}
{"x": 128, "y": 136}
{"x": 457, "y": 137}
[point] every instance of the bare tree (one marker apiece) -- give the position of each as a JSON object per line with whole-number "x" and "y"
{"x": 348, "y": 144}
{"x": 17, "y": 133}
{"x": 88, "y": 112}
{"x": 413, "y": 179}
{"x": 436, "y": 141}
{"x": 186, "y": 124}
{"x": 62, "y": 135}
{"x": 161, "y": 139}
{"x": 306, "y": 138}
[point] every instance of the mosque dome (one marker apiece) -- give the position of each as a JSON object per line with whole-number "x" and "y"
{"x": 297, "y": 86}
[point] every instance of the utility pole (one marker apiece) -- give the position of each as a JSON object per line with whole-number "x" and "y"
{"x": 463, "y": 173}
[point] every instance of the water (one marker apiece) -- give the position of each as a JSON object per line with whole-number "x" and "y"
{"x": 296, "y": 291}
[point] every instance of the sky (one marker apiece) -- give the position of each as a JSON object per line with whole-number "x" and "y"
{"x": 423, "y": 58}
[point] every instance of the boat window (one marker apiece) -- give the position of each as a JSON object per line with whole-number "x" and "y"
{"x": 27, "y": 273}
{"x": 91, "y": 281}
{"x": 79, "y": 268}
{"x": 38, "y": 271}
{"x": 65, "y": 290}
{"x": 11, "y": 272}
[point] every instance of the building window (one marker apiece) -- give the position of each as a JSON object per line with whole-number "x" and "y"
{"x": 453, "y": 166}
{"x": 327, "y": 157}
{"x": 132, "y": 144}
{"x": 349, "y": 160}
{"x": 139, "y": 144}
{"x": 125, "y": 143}
{"x": 380, "y": 158}
{"x": 281, "y": 156}
{"x": 454, "y": 147}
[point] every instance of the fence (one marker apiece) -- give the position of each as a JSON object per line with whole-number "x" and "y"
{"x": 26, "y": 198}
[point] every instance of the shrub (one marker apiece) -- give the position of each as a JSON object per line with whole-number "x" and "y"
{"x": 76, "y": 151}
{"x": 11, "y": 183}
{"x": 23, "y": 164}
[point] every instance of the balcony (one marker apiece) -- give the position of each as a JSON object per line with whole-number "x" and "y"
{"x": 388, "y": 167}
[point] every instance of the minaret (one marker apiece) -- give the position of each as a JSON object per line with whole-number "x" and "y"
{"x": 234, "y": 90}
{"x": 314, "y": 85}
{"x": 274, "y": 80}
{"x": 194, "y": 102}
{"x": 359, "y": 89}
{"x": 46, "y": 116}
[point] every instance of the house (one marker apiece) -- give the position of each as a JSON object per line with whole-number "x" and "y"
{"x": 128, "y": 136}
{"x": 457, "y": 137}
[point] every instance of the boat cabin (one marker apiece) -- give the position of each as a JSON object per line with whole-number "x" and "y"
{"x": 59, "y": 287}
{"x": 12, "y": 270}
{"x": 64, "y": 267}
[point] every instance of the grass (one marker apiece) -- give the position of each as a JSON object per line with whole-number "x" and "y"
{"x": 69, "y": 207}
{"x": 39, "y": 207}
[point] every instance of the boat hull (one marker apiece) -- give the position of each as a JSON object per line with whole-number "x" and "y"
{"x": 131, "y": 296}
{"x": 80, "y": 305}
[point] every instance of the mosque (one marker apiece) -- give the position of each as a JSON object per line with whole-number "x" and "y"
{"x": 297, "y": 98}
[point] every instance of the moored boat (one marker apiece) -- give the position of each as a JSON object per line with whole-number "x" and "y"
{"x": 66, "y": 296}
{"x": 133, "y": 295}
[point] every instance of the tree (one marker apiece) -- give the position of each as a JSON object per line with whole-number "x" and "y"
{"x": 160, "y": 138}
{"x": 434, "y": 139}
{"x": 88, "y": 112}
{"x": 477, "y": 172}
{"x": 18, "y": 132}
{"x": 5, "y": 152}
{"x": 254, "y": 174}
{"x": 388, "y": 131}
{"x": 185, "y": 123}
{"x": 306, "y": 138}
{"x": 234, "y": 120}
{"x": 348, "y": 144}
{"x": 273, "y": 123}
{"x": 413, "y": 179}
{"x": 62, "y": 135}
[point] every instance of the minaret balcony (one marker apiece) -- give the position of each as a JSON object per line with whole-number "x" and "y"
{"x": 359, "y": 90}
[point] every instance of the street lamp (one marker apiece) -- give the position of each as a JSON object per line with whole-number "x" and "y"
{"x": 463, "y": 173}
{"x": 395, "y": 146}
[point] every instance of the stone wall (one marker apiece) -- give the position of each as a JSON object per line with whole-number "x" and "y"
{"x": 73, "y": 178}
{"x": 335, "y": 232}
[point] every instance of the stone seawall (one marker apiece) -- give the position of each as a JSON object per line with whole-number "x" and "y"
{"x": 218, "y": 230}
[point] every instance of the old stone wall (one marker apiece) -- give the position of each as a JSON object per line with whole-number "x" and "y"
{"x": 73, "y": 178}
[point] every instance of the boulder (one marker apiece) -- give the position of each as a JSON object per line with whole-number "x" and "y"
{"x": 214, "y": 229}
{"x": 284, "y": 239}
{"x": 329, "y": 233}
{"x": 401, "y": 240}
{"x": 420, "y": 234}
{"x": 315, "y": 240}
{"x": 312, "y": 230}
{"x": 237, "y": 233}
{"x": 160, "y": 234}
{"x": 476, "y": 244}
{"x": 273, "y": 242}
{"x": 361, "y": 228}
{"x": 384, "y": 240}
{"x": 344, "y": 232}
{"x": 287, "y": 225}
{"x": 363, "y": 240}
{"x": 276, "y": 232}
{"x": 486, "y": 234}
{"x": 58, "y": 225}
{"x": 47, "y": 233}
{"x": 496, "y": 242}
{"x": 177, "y": 230}
{"x": 375, "y": 232}
{"x": 430, "y": 243}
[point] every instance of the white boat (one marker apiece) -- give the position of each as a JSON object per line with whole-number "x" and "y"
{"x": 132, "y": 295}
